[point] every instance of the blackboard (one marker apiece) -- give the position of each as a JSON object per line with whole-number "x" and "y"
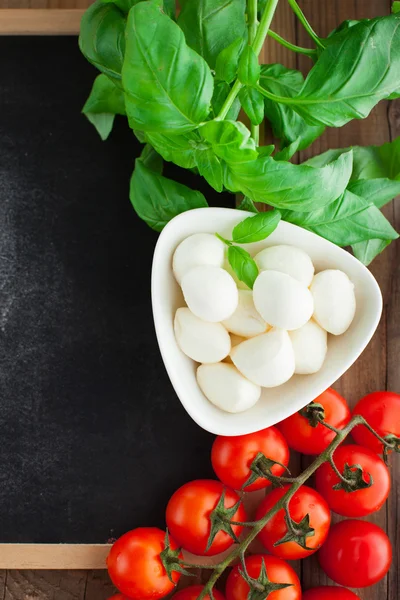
{"x": 93, "y": 439}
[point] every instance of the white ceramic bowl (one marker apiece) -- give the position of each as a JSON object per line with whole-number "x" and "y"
{"x": 277, "y": 403}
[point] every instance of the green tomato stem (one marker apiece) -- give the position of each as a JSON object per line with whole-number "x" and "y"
{"x": 307, "y": 51}
{"x": 303, "y": 20}
{"x": 253, "y": 26}
{"x": 257, "y": 45}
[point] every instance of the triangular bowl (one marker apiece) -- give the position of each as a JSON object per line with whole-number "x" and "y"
{"x": 277, "y": 403}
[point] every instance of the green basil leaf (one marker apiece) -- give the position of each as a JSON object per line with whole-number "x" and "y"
{"x": 248, "y": 205}
{"x": 227, "y": 61}
{"x": 221, "y": 91}
{"x": 170, "y": 8}
{"x": 178, "y": 149}
{"x": 370, "y": 162}
{"x": 368, "y": 250}
{"x": 394, "y": 96}
{"x": 287, "y": 124}
{"x": 253, "y": 104}
{"x": 209, "y": 167}
{"x": 285, "y": 185}
{"x": 248, "y": 68}
{"x": 230, "y": 140}
{"x": 348, "y": 220}
{"x": 396, "y": 7}
{"x": 123, "y": 5}
{"x": 289, "y": 151}
{"x": 257, "y": 228}
{"x": 378, "y": 191}
{"x": 266, "y": 150}
{"x": 243, "y": 265}
{"x": 168, "y": 87}
{"x": 104, "y": 102}
{"x": 102, "y": 38}
{"x": 151, "y": 159}
{"x": 157, "y": 199}
{"x": 358, "y": 69}
{"x": 212, "y": 25}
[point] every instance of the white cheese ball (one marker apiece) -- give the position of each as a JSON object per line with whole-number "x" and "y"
{"x": 198, "y": 249}
{"x": 267, "y": 360}
{"x": 203, "y": 342}
{"x": 210, "y": 293}
{"x": 235, "y": 340}
{"x": 334, "y": 301}
{"x": 282, "y": 301}
{"x": 240, "y": 284}
{"x": 246, "y": 321}
{"x": 310, "y": 347}
{"x": 225, "y": 387}
{"x": 286, "y": 259}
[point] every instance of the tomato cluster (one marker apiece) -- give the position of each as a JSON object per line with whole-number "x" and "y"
{"x": 206, "y": 517}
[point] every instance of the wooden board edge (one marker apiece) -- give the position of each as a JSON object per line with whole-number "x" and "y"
{"x": 53, "y": 556}
{"x": 40, "y": 21}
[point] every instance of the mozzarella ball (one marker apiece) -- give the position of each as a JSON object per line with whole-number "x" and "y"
{"x": 235, "y": 340}
{"x": 240, "y": 284}
{"x": 310, "y": 347}
{"x": 225, "y": 387}
{"x": 282, "y": 301}
{"x": 203, "y": 342}
{"x": 286, "y": 259}
{"x": 267, "y": 359}
{"x": 198, "y": 249}
{"x": 210, "y": 293}
{"x": 246, "y": 321}
{"x": 334, "y": 301}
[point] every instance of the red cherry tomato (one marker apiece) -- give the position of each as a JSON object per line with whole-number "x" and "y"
{"x": 329, "y": 593}
{"x": 231, "y": 457}
{"x": 188, "y": 516}
{"x": 304, "y": 438}
{"x": 356, "y": 553}
{"x": 278, "y": 571}
{"x": 361, "y": 502}
{"x": 304, "y": 501}
{"x": 192, "y": 593}
{"x": 382, "y": 411}
{"x": 135, "y": 566}
{"x": 119, "y": 597}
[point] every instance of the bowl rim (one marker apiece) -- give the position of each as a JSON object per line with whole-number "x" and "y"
{"x": 189, "y": 406}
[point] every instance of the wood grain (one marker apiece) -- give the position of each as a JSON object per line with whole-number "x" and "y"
{"x": 53, "y": 556}
{"x": 41, "y": 21}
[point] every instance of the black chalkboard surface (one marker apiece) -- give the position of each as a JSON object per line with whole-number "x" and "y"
{"x": 93, "y": 439}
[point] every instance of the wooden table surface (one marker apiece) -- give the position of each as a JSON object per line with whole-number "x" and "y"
{"x": 378, "y": 367}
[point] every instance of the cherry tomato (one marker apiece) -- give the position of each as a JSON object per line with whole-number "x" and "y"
{"x": 188, "y": 516}
{"x": 231, "y": 457}
{"x": 329, "y": 593}
{"x": 304, "y": 501}
{"x": 119, "y": 597}
{"x": 304, "y": 438}
{"x": 354, "y": 503}
{"x": 278, "y": 571}
{"x": 192, "y": 593}
{"x": 382, "y": 411}
{"x": 135, "y": 566}
{"x": 356, "y": 553}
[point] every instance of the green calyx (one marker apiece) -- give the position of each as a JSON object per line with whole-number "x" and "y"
{"x": 261, "y": 467}
{"x": 261, "y": 587}
{"x": 297, "y": 532}
{"x": 220, "y": 519}
{"x": 171, "y": 560}
{"x": 314, "y": 413}
{"x": 353, "y": 479}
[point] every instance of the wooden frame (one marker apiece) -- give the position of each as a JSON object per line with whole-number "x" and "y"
{"x": 53, "y": 556}
{"x": 40, "y": 21}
